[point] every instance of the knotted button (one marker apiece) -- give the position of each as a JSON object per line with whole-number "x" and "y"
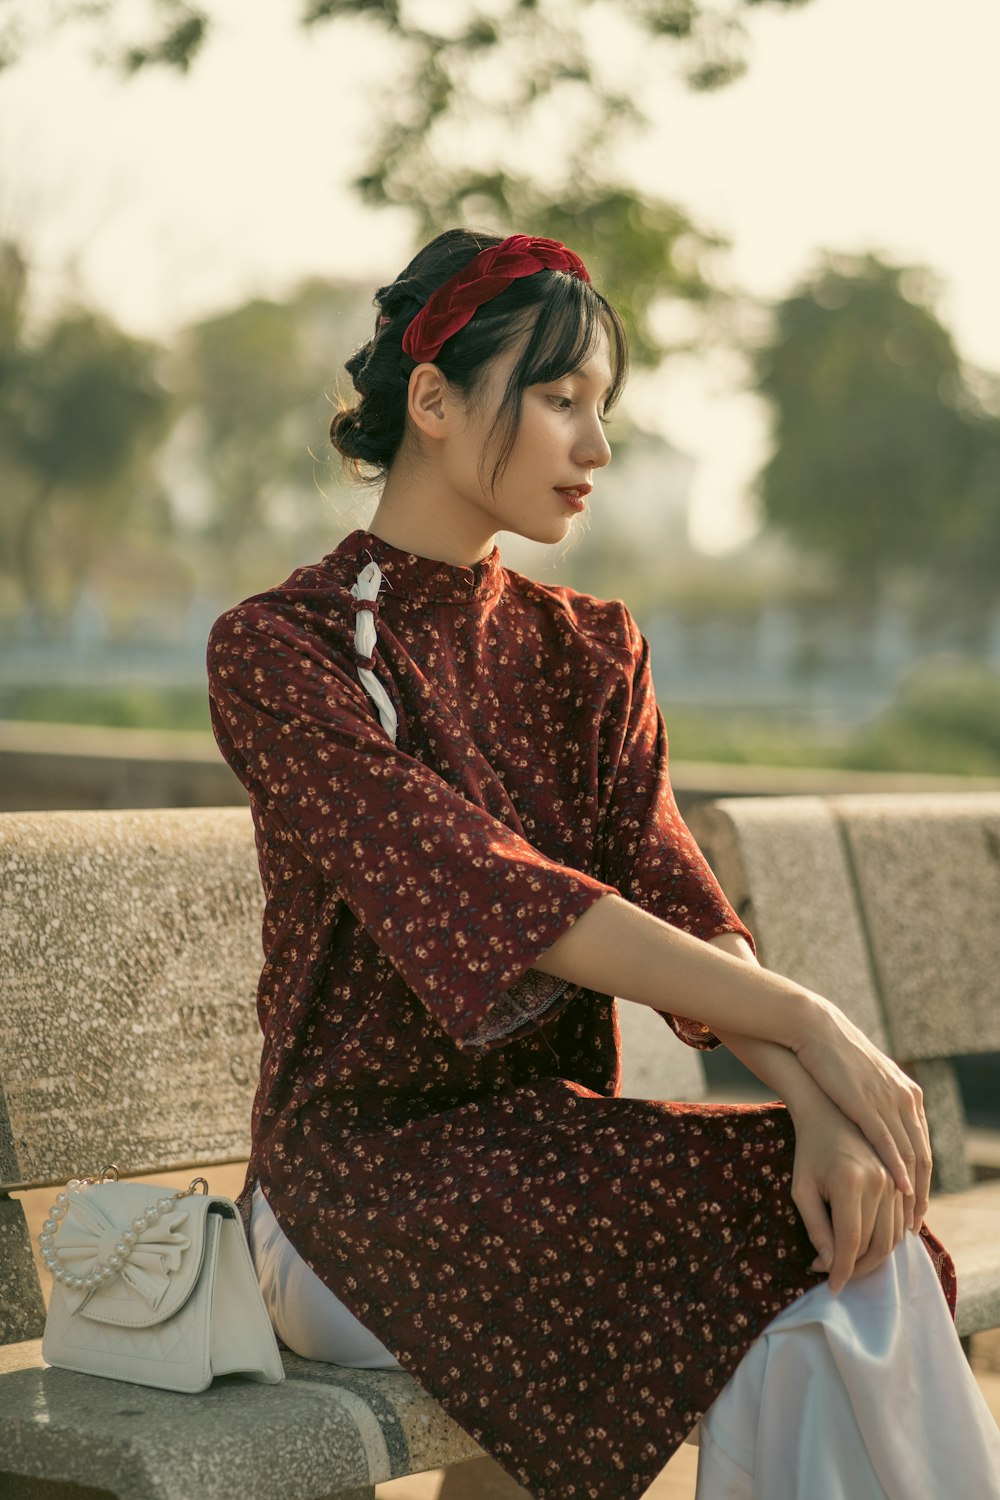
{"x": 365, "y": 606}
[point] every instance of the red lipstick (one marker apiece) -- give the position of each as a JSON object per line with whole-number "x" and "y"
{"x": 574, "y": 494}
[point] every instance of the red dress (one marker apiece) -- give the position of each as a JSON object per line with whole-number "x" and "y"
{"x": 571, "y": 1274}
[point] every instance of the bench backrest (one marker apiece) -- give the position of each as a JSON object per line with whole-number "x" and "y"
{"x": 130, "y": 946}
{"x": 130, "y": 949}
{"x": 890, "y": 906}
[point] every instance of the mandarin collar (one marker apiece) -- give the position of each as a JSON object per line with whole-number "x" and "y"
{"x": 420, "y": 579}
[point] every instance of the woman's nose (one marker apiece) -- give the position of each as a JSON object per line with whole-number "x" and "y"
{"x": 595, "y": 450}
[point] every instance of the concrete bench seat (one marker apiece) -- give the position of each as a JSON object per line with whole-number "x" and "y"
{"x": 889, "y": 905}
{"x": 325, "y": 1431}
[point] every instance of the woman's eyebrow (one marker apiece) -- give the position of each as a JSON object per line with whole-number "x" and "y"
{"x": 581, "y": 374}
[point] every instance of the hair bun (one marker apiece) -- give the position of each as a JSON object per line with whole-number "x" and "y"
{"x": 398, "y": 297}
{"x": 349, "y": 438}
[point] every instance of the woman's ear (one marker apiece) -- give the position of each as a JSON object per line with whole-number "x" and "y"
{"x": 430, "y": 402}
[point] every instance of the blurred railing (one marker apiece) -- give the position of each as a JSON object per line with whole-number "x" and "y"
{"x": 83, "y": 766}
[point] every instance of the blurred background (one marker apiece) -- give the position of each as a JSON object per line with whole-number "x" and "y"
{"x": 788, "y": 199}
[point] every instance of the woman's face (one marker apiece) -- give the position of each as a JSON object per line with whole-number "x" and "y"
{"x": 559, "y": 444}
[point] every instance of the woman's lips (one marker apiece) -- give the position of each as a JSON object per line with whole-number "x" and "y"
{"x": 575, "y": 496}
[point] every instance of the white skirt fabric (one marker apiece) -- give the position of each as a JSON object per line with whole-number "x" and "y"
{"x": 862, "y": 1396}
{"x": 304, "y": 1312}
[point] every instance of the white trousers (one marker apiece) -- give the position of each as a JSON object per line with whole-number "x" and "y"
{"x": 862, "y": 1396}
{"x": 304, "y": 1312}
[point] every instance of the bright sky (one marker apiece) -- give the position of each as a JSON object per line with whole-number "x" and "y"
{"x": 861, "y": 124}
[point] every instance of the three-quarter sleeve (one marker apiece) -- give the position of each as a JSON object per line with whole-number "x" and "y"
{"x": 646, "y": 848}
{"x": 459, "y": 902}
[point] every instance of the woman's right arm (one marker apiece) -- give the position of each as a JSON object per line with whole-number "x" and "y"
{"x": 617, "y": 948}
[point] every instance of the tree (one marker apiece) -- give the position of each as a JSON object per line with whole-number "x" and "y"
{"x": 478, "y": 85}
{"x": 257, "y": 385}
{"x": 82, "y": 415}
{"x": 885, "y": 459}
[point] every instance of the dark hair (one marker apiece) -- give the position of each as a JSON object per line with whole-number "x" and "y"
{"x": 567, "y": 312}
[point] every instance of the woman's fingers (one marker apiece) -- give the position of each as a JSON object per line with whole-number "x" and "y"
{"x": 915, "y": 1152}
{"x": 897, "y": 1130}
{"x": 925, "y": 1164}
{"x": 892, "y": 1145}
{"x": 887, "y": 1231}
{"x": 867, "y": 1214}
{"x": 845, "y": 1212}
{"x": 873, "y": 1092}
{"x": 813, "y": 1211}
{"x": 852, "y": 1212}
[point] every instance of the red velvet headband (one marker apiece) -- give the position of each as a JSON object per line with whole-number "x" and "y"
{"x": 487, "y": 275}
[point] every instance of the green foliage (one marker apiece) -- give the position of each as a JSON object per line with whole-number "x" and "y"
{"x": 514, "y": 73}
{"x": 92, "y": 497}
{"x": 506, "y": 79}
{"x": 945, "y": 717}
{"x": 177, "y": 46}
{"x": 748, "y": 738}
{"x": 944, "y": 720}
{"x": 117, "y": 708}
{"x": 82, "y": 413}
{"x": 257, "y": 384}
{"x": 87, "y": 396}
{"x": 883, "y": 458}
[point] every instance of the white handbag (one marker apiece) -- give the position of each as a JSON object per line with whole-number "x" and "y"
{"x": 154, "y": 1286}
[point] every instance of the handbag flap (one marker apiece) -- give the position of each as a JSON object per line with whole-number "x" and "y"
{"x": 160, "y": 1271}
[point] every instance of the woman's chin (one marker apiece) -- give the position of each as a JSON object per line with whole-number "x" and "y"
{"x": 542, "y": 529}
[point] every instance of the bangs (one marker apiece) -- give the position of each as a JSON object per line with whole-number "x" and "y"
{"x": 565, "y": 335}
{"x": 565, "y": 324}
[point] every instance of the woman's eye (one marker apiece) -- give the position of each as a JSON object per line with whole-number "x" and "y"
{"x": 561, "y": 403}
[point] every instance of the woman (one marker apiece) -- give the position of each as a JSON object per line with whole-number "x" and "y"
{"x": 469, "y": 846}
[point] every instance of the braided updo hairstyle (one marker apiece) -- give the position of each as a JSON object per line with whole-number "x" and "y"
{"x": 563, "y": 313}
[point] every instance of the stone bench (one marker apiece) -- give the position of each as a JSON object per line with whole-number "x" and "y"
{"x": 889, "y": 906}
{"x": 130, "y": 949}
{"x": 130, "y": 946}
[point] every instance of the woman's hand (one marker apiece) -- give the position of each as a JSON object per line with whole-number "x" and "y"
{"x": 869, "y": 1088}
{"x": 852, "y": 1210}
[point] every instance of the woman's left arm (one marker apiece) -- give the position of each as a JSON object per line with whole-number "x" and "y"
{"x": 834, "y": 1164}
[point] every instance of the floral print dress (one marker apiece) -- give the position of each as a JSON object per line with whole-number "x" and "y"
{"x": 438, "y": 1128}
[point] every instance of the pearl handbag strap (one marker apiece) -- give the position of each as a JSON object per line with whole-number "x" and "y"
{"x": 101, "y": 1272}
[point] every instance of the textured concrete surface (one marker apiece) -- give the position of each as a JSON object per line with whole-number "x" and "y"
{"x": 928, "y": 870}
{"x": 969, "y": 1224}
{"x": 22, "y": 1312}
{"x": 946, "y": 1122}
{"x": 781, "y": 862}
{"x": 888, "y": 906}
{"x": 130, "y": 952}
{"x": 415, "y": 1432}
{"x": 323, "y": 1430}
{"x": 655, "y": 1063}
